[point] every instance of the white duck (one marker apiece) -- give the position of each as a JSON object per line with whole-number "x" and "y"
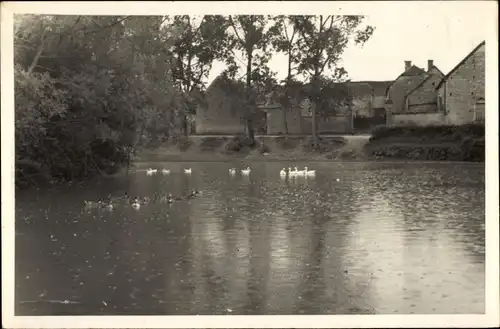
{"x": 299, "y": 172}
{"x": 165, "y": 171}
{"x": 283, "y": 172}
{"x": 151, "y": 171}
{"x": 187, "y": 171}
{"x": 310, "y": 173}
{"x": 291, "y": 173}
{"x": 232, "y": 171}
{"x": 136, "y": 205}
{"x": 246, "y": 171}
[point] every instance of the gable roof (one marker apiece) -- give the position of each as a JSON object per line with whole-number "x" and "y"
{"x": 423, "y": 81}
{"x": 412, "y": 71}
{"x": 460, "y": 63}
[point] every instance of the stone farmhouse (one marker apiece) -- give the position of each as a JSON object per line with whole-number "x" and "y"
{"x": 417, "y": 96}
{"x": 462, "y": 91}
{"x": 429, "y": 97}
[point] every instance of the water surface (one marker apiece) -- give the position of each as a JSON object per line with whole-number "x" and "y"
{"x": 358, "y": 238}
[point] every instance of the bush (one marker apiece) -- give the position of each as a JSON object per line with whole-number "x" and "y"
{"x": 323, "y": 144}
{"x": 212, "y": 143}
{"x": 444, "y": 132}
{"x": 238, "y": 144}
{"x": 288, "y": 143}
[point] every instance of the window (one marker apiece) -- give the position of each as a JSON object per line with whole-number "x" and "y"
{"x": 451, "y": 94}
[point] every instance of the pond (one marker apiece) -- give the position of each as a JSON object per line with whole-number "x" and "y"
{"x": 358, "y": 238}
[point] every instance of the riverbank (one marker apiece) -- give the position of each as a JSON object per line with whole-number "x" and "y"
{"x": 463, "y": 143}
{"x": 431, "y": 143}
{"x": 267, "y": 148}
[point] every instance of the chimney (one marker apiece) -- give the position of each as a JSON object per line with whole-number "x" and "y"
{"x": 430, "y": 64}
{"x": 407, "y": 65}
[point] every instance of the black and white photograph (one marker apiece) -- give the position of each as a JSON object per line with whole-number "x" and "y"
{"x": 224, "y": 163}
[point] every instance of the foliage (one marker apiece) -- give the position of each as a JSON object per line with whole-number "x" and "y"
{"x": 251, "y": 37}
{"x": 85, "y": 88}
{"x": 450, "y": 142}
{"x": 322, "y": 42}
{"x": 433, "y": 133}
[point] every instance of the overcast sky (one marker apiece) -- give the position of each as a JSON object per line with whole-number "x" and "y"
{"x": 444, "y": 31}
{"x": 417, "y": 38}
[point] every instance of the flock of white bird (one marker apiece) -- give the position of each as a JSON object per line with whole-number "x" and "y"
{"x": 291, "y": 172}
{"x": 164, "y": 171}
{"x": 283, "y": 173}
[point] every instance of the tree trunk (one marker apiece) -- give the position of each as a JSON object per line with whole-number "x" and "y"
{"x": 313, "y": 121}
{"x": 38, "y": 53}
{"x": 249, "y": 109}
{"x": 315, "y": 92}
{"x": 287, "y": 93}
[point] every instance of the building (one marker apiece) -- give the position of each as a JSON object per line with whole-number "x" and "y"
{"x": 412, "y": 99}
{"x": 221, "y": 112}
{"x": 461, "y": 92}
{"x": 297, "y": 117}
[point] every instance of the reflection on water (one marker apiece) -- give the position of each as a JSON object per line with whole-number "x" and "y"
{"x": 357, "y": 238}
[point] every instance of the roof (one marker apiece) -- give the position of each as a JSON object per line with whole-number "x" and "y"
{"x": 361, "y": 87}
{"x": 460, "y": 63}
{"x": 412, "y": 71}
{"x": 422, "y": 82}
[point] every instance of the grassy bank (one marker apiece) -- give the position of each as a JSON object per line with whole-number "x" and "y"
{"x": 434, "y": 143}
{"x": 266, "y": 148}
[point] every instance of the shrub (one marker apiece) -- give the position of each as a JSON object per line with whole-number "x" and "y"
{"x": 238, "y": 144}
{"x": 287, "y": 142}
{"x": 439, "y": 132}
{"x": 211, "y": 143}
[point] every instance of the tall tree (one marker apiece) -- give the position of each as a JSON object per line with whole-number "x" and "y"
{"x": 200, "y": 41}
{"x": 323, "y": 41}
{"x": 251, "y": 37}
{"x": 83, "y": 84}
{"x": 285, "y": 37}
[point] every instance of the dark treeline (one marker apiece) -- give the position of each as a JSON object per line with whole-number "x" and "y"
{"x": 91, "y": 90}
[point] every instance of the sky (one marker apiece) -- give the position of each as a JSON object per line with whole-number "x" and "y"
{"x": 398, "y": 38}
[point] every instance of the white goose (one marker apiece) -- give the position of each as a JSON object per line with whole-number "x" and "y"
{"x": 165, "y": 171}
{"x": 310, "y": 173}
{"x": 283, "y": 172}
{"x": 291, "y": 173}
{"x": 299, "y": 172}
{"x": 187, "y": 171}
{"x": 246, "y": 171}
{"x": 136, "y": 205}
{"x": 232, "y": 171}
{"x": 151, "y": 171}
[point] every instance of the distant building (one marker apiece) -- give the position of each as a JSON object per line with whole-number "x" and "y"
{"x": 223, "y": 109}
{"x": 412, "y": 99}
{"x": 462, "y": 91}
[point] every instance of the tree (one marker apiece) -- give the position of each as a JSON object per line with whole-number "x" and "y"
{"x": 252, "y": 38}
{"x": 199, "y": 42}
{"x": 285, "y": 38}
{"x": 323, "y": 40}
{"x": 83, "y": 87}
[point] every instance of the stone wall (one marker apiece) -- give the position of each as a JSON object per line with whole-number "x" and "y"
{"x": 400, "y": 88}
{"x": 424, "y": 98}
{"x": 419, "y": 119}
{"x": 463, "y": 88}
